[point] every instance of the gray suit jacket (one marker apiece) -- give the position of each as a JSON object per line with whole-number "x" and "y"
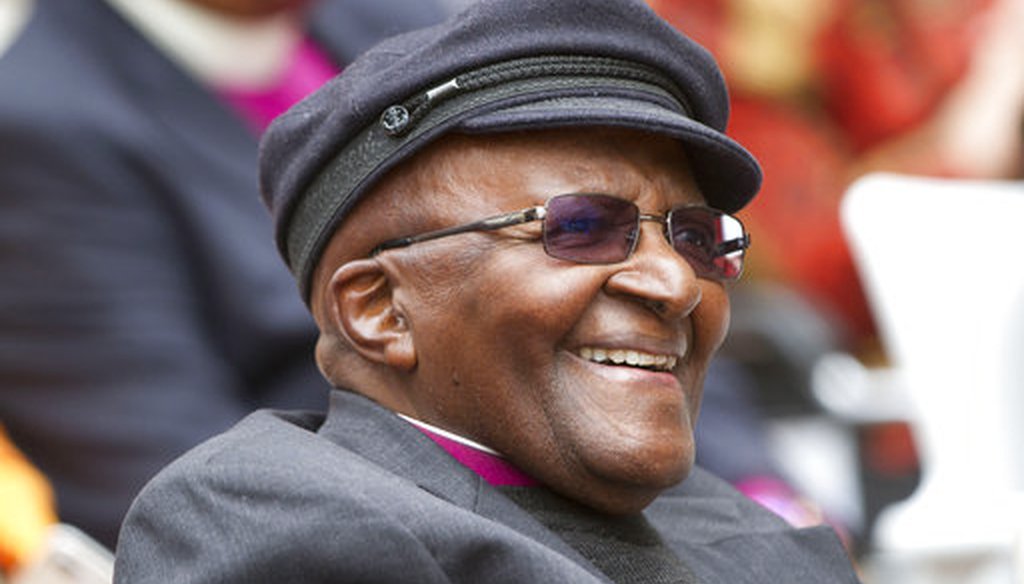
{"x": 363, "y": 496}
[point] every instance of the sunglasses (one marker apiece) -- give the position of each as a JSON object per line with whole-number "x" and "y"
{"x": 602, "y": 229}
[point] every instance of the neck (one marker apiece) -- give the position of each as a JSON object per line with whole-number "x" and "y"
{"x": 213, "y": 47}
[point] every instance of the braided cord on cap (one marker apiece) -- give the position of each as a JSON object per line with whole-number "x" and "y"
{"x": 400, "y": 118}
{"x": 404, "y": 128}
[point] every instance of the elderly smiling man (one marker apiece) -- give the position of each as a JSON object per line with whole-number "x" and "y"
{"x": 514, "y": 232}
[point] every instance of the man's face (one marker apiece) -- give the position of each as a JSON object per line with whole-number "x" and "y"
{"x": 505, "y": 336}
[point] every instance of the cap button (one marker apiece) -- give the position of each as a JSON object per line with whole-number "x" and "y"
{"x": 395, "y": 119}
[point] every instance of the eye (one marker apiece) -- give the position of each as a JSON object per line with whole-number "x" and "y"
{"x": 580, "y": 224}
{"x": 711, "y": 241}
{"x": 695, "y": 236}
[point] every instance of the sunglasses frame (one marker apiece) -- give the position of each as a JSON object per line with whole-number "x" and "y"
{"x": 539, "y": 213}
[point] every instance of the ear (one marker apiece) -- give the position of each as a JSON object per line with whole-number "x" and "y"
{"x": 362, "y": 307}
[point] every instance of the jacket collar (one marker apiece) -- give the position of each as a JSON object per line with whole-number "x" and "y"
{"x": 379, "y": 435}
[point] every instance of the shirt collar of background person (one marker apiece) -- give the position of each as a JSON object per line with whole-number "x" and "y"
{"x": 217, "y": 49}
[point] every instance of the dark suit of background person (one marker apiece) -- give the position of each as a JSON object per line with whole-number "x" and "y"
{"x": 142, "y": 305}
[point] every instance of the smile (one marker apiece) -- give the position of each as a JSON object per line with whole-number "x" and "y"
{"x": 629, "y": 357}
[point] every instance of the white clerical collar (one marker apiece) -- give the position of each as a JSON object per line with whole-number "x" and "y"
{"x": 450, "y": 436}
{"x": 217, "y": 49}
{"x": 13, "y": 16}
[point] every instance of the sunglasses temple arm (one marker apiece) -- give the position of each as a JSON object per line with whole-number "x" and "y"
{"x": 510, "y": 219}
{"x": 489, "y": 224}
{"x": 733, "y": 245}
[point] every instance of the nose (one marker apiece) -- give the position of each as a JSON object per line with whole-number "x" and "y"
{"x": 656, "y": 276}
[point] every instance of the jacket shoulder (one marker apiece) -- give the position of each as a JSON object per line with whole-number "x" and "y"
{"x": 726, "y": 537}
{"x": 264, "y": 502}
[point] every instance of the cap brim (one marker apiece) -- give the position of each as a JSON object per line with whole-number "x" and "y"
{"x": 727, "y": 174}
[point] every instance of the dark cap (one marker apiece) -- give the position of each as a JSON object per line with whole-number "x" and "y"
{"x": 501, "y": 65}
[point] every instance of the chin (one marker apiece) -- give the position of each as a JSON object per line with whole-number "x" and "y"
{"x": 668, "y": 470}
{"x": 626, "y": 482}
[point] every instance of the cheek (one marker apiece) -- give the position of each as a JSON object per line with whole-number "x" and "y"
{"x": 491, "y": 329}
{"x": 711, "y": 319}
{"x": 710, "y": 326}
{"x": 531, "y": 305}
{"x": 517, "y": 324}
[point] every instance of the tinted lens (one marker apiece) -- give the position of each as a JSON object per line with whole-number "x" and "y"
{"x": 711, "y": 241}
{"x": 591, "y": 229}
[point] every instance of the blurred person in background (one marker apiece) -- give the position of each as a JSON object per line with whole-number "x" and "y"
{"x": 143, "y": 307}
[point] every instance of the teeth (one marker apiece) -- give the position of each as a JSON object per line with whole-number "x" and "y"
{"x": 629, "y": 357}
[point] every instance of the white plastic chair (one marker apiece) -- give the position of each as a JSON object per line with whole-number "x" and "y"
{"x": 67, "y": 556}
{"x": 942, "y": 262}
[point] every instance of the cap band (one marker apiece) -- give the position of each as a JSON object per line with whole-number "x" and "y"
{"x": 404, "y": 127}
